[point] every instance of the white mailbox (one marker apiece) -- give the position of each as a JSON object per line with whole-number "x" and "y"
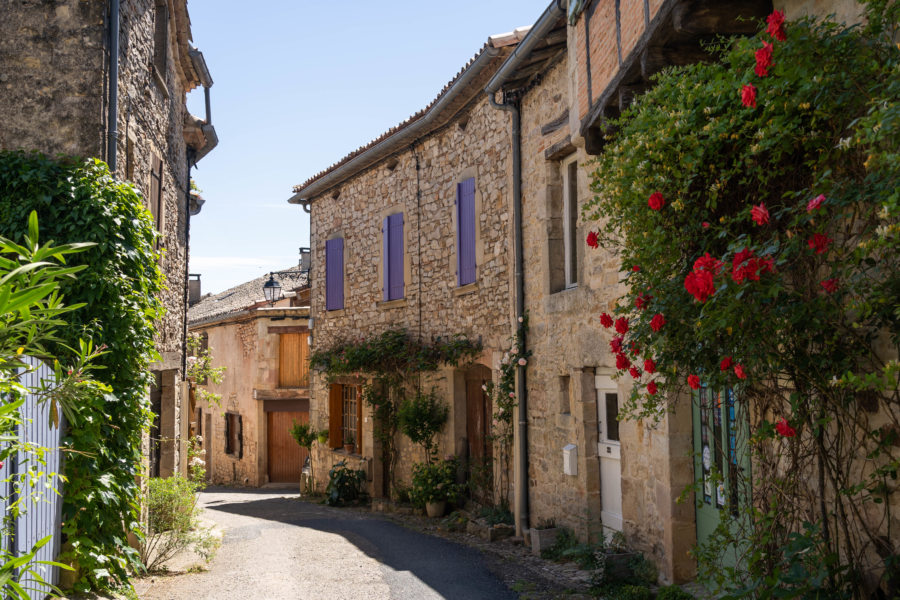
{"x": 570, "y": 459}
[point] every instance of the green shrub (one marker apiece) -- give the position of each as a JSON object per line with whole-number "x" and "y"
{"x": 673, "y": 592}
{"x": 626, "y": 591}
{"x": 565, "y": 540}
{"x": 435, "y": 482}
{"x": 172, "y": 519}
{"x": 345, "y": 485}
{"x": 496, "y": 515}
{"x": 79, "y": 201}
{"x": 422, "y": 417}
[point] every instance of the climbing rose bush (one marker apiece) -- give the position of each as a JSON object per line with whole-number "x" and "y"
{"x": 759, "y": 196}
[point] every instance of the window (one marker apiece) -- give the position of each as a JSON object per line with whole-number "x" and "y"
{"x": 465, "y": 232}
{"x": 564, "y": 401}
{"x": 611, "y": 423}
{"x": 155, "y": 200}
{"x": 392, "y": 240}
{"x": 334, "y": 274}
{"x": 161, "y": 41}
{"x": 293, "y": 365}
{"x": 344, "y": 415}
{"x": 570, "y": 221}
{"x": 234, "y": 435}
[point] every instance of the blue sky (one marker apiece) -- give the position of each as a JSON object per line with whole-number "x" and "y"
{"x": 298, "y": 85}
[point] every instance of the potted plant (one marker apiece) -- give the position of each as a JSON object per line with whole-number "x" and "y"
{"x": 349, "y": 443}
{"x": 323, "y": 437}
{"x": 434, "y": 484}
{"x": 305, "y": 434}
{"x": 544, "y": 535}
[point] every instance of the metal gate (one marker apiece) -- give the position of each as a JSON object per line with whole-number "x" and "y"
{"x": 40, "y": 496}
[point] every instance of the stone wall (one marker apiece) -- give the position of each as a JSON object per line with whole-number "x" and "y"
{"x": 475, "y": 144}
{"x": 53, "y": 76}
{"x": 570, "y": 348}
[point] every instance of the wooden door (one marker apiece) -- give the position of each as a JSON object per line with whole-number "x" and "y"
{"x": 609, "y": 449}
{"x": 293, "y": 368}
{"x": 285, "y": 456}
{"x": 478, "y": 415}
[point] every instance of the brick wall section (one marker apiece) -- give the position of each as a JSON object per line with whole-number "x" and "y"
{"x": 484, "y": 311}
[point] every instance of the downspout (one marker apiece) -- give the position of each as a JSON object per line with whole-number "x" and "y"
{"x": 189, "y": 156}
{"x": 112, "y": 138}
{"x": 521, "y": 468}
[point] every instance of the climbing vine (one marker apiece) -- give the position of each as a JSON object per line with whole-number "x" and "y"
{"x": 394, "y": 361}
{"x": 79, "y": 201}
{"x": 755, "y": 206}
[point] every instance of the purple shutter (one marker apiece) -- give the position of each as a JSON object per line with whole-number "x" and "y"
{"x": 395, "y": 256}
{"x": 465, "y": 231}
{"x": 385, "y": 259}
{"x": 334, "y": 274}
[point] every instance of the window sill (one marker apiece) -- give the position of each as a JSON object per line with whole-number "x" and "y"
{"x": 335, "y": 313}
{"x": 388, "y": 304}
{"x": 464, "y": 290}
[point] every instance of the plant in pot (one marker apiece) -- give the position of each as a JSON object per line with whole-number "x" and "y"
{"x": 305, "y": 434}
{"x": 349, "y": 443}
{"x": 434, "y": 484}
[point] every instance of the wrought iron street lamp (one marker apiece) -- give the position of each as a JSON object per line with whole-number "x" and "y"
{"x": 272, "y": 288}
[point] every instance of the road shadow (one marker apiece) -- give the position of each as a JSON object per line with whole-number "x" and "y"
{"x": 450, "y": 569}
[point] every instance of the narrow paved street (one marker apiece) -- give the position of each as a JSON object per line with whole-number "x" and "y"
{"x": 277, "y": 546}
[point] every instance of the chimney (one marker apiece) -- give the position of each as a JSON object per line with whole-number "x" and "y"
{"x": 193, "y": 289}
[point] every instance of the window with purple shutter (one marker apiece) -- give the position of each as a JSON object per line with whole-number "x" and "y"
{"x": 334, "y": 274}
{"x": 465, "y": 232}
{"x": 392, "y": 248}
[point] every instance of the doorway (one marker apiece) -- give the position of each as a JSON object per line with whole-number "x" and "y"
{"x": 479, "y": 445}
{"x": 285, "y": 456}
{"x": 609, "y": 449}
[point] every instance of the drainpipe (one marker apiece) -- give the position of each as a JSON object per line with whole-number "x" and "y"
{"x": 521, "y": 467}
{"x": 188, "y": 160}
{"x": 112, "y": 138}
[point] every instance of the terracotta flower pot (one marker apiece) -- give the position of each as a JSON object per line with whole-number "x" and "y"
{"x": 436, "y": 509}
{"x": 349, "y": 448}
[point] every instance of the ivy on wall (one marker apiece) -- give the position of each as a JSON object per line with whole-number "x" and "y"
{"x": 79, "y": 201}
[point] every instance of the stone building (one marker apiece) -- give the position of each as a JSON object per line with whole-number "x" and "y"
{"x": 265, "y": 350}
{"x": 412, "y": 231}
{"x": 109, "y": 80}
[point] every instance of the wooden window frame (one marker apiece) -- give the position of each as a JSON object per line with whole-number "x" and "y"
{"x": 234, "y": 421}
{"x": 569, "y": 174}
{"x": 337, "y": 427}
{"x": 160, "y": 63}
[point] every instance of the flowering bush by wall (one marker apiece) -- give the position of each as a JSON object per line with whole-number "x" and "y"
{"x": 755, "y": 205}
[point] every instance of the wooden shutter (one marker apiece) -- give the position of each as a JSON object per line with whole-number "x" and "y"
{"x": 395, "y": 254}
{"x": 240, "y": 436}
{"x": 335, "y": 416}
{"x": 290, "y": 363}
{"x": 334, "y": 274}
{"x": 465, "y": 231}
{"x": 359, "y": 420}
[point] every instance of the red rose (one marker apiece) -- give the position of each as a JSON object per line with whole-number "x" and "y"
{"x": 622, "y": 325}
{"x": 635, "y": 268}
{"x": 649, "y": 365}
{"x": 705, "y": 225}
{"x": 699, "y": 284}
{"x": 819, "y": 243}
{"x": 746, "y": 266}
{"x": 635, "y": 349}
{"x": 763, "y": 60}
{"x": 592, "y": 240}
{"x": 708, "y": 263}
{"x": 830, "y": 285}
{"x": 784, "y": 429}
{"x": 656, "y": 201}
{"x": 694, "y": 382}
{"x": 657, "y": 322}
{"x": 634, "y": 372}
{"x": 622, "y": 362}
{"x": 642, "y": 301}
{"x": 651, "y": 388}
{"x": 775, "y": 27}
{"x": 606, "y": 320}
{"x": 615, "y": 345}
{"x": 739, "y": 371}
{"x": 815, "y": 203}
{"x": 748, "y": 95}
{"x": 760, "y": 214}
{"x": 725, "y": 364}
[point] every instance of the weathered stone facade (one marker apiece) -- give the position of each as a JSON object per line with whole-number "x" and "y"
{"x": 420, "y": 180}
{"x": 54, "y": 74}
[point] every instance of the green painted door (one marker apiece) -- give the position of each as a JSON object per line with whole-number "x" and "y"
{"x": 721, "y": 461}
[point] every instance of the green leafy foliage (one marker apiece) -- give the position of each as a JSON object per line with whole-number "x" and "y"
{"x": 345, "y": 485}
{"x": 173, "y": 522}
{"x": 435, "y": 482}
{"x": 422, "y": 417}
{"x": 759, "y": 233}
{"x": 673, "y": 592}
{"x": 79, "y": 201}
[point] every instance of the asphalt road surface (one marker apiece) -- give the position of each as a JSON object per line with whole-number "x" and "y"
{"x": 276, "y": 547}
